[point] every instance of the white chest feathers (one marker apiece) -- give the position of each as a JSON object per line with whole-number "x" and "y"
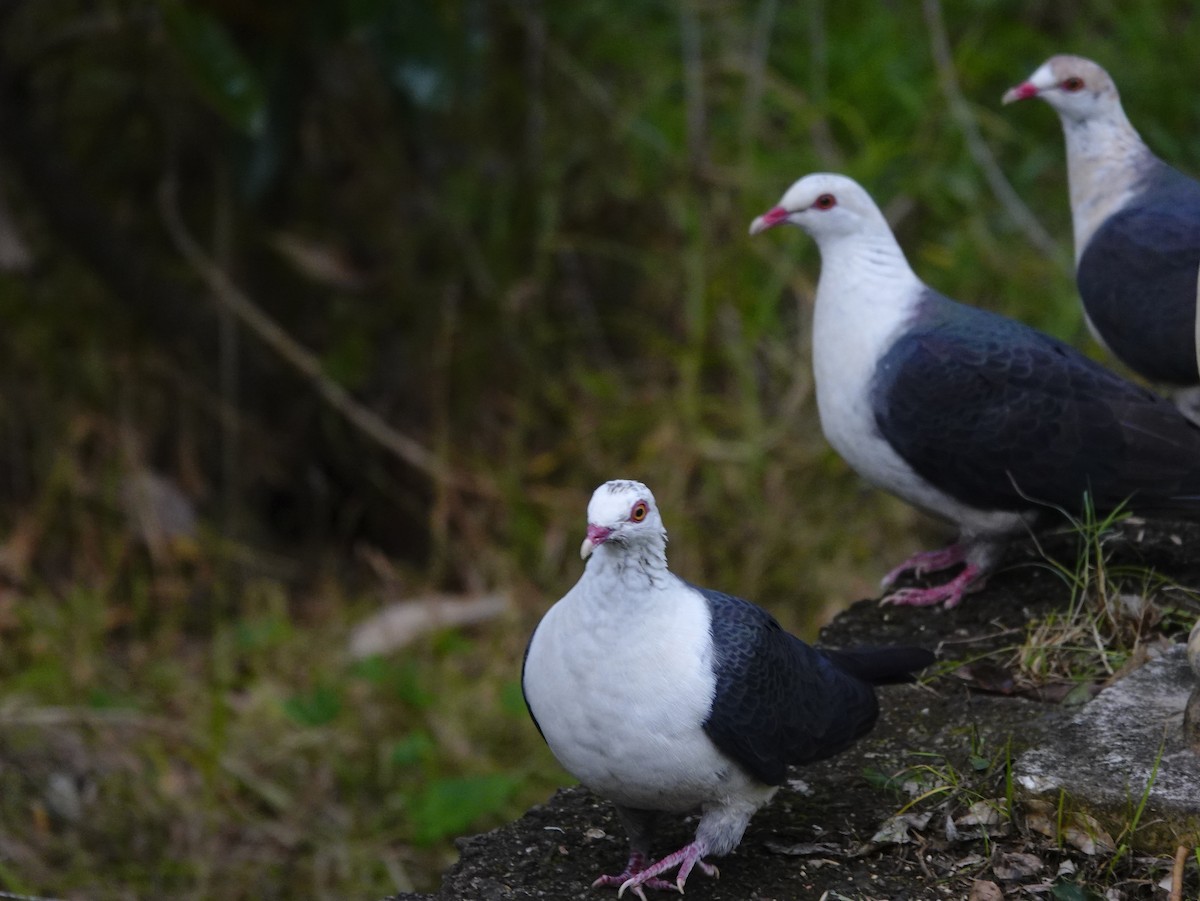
{"x": 621, "y": 684}
{"x": 1105, "y": 163}
{"x": 860, "y": 310}
{"x": 865, "y": 300}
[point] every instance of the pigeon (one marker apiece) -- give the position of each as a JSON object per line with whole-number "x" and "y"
{"x": 965, "y": 413}
{"x": 1136, "y": 223}
{"x": 664, "y": 697}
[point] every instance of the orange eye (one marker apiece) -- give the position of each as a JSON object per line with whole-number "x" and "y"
{"x": 639, "y": 511}
{"x": 825, "y": 202}
{"x": 1072, "y": 84}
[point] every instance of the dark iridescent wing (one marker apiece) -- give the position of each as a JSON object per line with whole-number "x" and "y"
{"x": 1137, "y": 278}
{"x": 778, "y": 701}
{"x": 1001, "y": 416}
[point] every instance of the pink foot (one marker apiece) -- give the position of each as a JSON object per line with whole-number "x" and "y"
{"x": 634, "y": 868}
{"x": 927, "y": 562}
{"x": 950, "y": 593}
{"x": 685, "y": 858}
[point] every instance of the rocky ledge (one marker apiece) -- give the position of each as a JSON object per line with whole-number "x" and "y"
{"x": 974, "y": 784}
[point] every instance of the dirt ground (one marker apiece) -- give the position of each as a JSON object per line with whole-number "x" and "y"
{"x": 815, "y": 840}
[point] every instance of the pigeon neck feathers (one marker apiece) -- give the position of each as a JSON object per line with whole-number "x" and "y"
{"x": 623, "y": 569}
{"x": 866, "y": 294}
{"x": 1107, "y": 161}
{"x": 1107, "y": 164}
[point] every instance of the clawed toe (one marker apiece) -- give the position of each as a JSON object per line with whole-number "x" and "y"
{"x": 629, "y": 880}
{"x": 950, "y": 594}
{"x": 637, "y": 888}
{"x": 926, "y": 562}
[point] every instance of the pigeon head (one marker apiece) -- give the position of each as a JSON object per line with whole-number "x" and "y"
{"x": 622, "y": 515}
{"x": 826, "y": 206}
{"x": 1077, "y": 88}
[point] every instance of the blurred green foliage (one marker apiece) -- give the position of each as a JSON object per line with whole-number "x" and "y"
{"x": 517, "y": 230}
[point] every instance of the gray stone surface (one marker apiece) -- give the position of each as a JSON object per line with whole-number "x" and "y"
{"x": 1107, "y": 754}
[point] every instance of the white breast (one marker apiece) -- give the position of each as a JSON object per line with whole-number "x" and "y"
{"x": 1105, "y": 162}
{"x": 621, "y": 686}
{"x": 864, "y": 301}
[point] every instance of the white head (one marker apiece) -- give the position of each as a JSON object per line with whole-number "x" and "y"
{"x": 1077, "y": 88}
{"x": 826, "y": 206}
{"x": 622, "y": 514}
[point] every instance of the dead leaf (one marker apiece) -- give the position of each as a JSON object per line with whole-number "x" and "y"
{"x": 1080, "y": 830}
{"x": 1084, "y": 832}
{"x": 159, "y": 513}
{"x": 950, "y": 829}
{"x": 1015, "y": 866}
{"x": 894, "y": 830}
{"x": 322, "y": 263}
{"x": 989, "y": 677}
{"x": 983, "y": 890}
{"x": 805, "y": 849}
{"x": 982, "y": 813}
{"x": 400, "y": 624}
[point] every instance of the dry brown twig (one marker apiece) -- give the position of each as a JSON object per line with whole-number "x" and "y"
{"x": 1181, "y": 856}
{"x": 301, "y": 359}
{"x": 939, "y": 46}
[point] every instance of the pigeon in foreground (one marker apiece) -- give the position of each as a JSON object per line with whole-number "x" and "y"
{"x": 665, "y": 697}
{"x": 1136, "y": 222}
{"x": 967, "y": 414}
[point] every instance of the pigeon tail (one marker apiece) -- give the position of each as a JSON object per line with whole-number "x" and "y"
{"x": 881, "y": 665}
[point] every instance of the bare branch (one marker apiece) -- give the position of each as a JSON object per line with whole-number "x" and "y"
{"x": 693, "y": 85}
{"x": 939, "y": 45}
{"x": 229, "y": 297}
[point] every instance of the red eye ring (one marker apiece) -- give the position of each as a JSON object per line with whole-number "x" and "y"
{"x": 825, "y": 202}
{"x": 639, "y": 512}
{"x": 1072, "y": 84}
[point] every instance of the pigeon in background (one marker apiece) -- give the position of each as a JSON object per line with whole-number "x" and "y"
{"x": 964, "y": 413}
{"x": 665, "y": 697}
{"x": 1136, "y": 222}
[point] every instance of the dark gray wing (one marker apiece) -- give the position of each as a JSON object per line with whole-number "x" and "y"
{"x": 778, "y": 701}
{"x": 1137, "y": 278}
{"x": 1000, "y": 416}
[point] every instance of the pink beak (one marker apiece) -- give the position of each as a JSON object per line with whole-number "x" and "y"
{"x": 769, "y": 219}
{"x": 1023, "y": 91}
{"x": 596, "y": 536}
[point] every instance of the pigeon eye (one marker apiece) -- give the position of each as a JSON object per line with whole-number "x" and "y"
{"x": 825, "y": 202}
{"x": 639, "y": 511}
{"x": 1072, "y": 84}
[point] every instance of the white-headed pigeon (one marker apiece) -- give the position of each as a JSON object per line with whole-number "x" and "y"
{"x": 967, "y": 414}
{"x": 665, "y": 697}
{"x": 1136, "y": 222}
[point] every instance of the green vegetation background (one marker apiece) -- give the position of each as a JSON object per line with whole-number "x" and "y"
{"x": 516, "y": 231}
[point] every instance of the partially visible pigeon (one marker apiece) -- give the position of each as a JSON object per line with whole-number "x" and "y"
{"x": 1136, "y": 221}
{"x": 665, "y": 697}
{"x": 967, "y": 414}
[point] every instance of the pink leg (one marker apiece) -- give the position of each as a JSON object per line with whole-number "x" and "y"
{"x": 928, "y": 562}
{"x": 685, "y": 858}
{"x": 635, "y": 867}
{"x": 951, "y": 592}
